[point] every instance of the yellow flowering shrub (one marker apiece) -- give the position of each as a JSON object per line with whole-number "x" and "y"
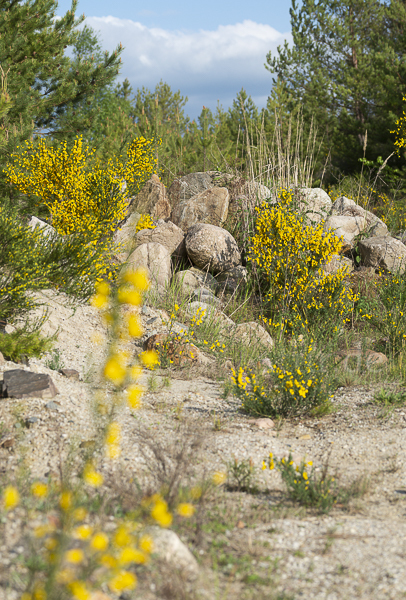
{"x": 304, "y": 484}
{"x": 294, "y": 385}
{"x": 80, "y": 197}
{"x": 290, "y": 253}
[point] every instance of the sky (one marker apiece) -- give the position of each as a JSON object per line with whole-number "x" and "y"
{"x": 205, "y": 50}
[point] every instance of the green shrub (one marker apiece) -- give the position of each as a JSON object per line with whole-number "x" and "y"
{"x": 27, "y": 342}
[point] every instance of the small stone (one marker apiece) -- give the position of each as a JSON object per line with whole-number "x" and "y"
{"x": 306, "y": 436}
{"x": 240, "y": 525}
{"x": 52, "y": 405}
{"x": 264, "y": 423}
{"x": 7, "y": 440}
{"x": 87, "y": 444}
{"x": 30, "y": 421}
{"x": 70, "y": 373}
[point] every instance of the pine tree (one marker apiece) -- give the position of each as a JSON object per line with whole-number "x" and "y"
{"x": 43, "y": 81}
{"x": 342, "y": 68}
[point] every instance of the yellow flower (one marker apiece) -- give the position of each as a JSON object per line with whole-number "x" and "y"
{"x": 99, "y": 541}
{"x": 149, "y": 358}
{"x": 134, "y": 394}
{"x": 185, "y": 509}
{"x": 113, "y": 433}
{"x": 83, "y": 532}
{"x": 114, "y": 370}
{"x": 146, "y": 543}
{"x": 65, "y": 501}
{"x": 305, "y": 476}
{"x": 79, "y": 591}
{"x": 103, "y": 288}
{"x": 135, "y": 372}
{"x": 92, "y": 477}
{"x": 131, "y": 555}
{"x": 74, "y": 556}
{"x": 132, "y": 297}
{"x": 219, "y": 478}
{"x": 138, "y": 278}
{"x": 11, "y": 497}
{"x": 122, "y": 537}
{"x": 79, "y": 514}
{"x": 99, "y": 301}
{"x": 134, "y": 326}
{"x": 108, "y": 561}
{"x": 160, "y": 513}
{"x": 123, "y": 581}
{"x": 39, "y": 489}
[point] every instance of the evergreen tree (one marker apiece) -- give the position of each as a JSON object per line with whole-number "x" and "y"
{"x": 43, "y": 81}
{"x": 341, "y": 68}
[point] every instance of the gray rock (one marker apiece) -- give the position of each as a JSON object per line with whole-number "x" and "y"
{"x": 205, "y": 295}
{"x": 229, "y": 281}
{"x": 168, "y": 235}
{"x": 210, "y": 247}
{"x": 210, "y": 314}
{"x": 46, "y": 229}
{"x": 18, "y": 383}
{"x": 70, "y": 373}
{"x": 383, "y": 252}
{"x": 51, "y": 405}
{"x": 337, "y": 262}
{"x": 152, "y": 199}
{"x": 168, "y": 547}
{"x": 252, "y": 333}
{"x": 210, "y": 206}
{"x": 316, "y": 203}
{"x": 156, "y": 259}
{"x": 124, "y": 237}
{"x": 193, "y": 279}
{"x": 190, "y": 185}
{"x": 349, "y": 220}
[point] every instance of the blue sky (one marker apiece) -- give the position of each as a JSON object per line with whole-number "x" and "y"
{"x": 205, "y": 50}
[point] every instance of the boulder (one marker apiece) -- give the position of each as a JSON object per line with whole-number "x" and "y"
{"x": 152, "y": 199}
{"x": 349, "y": 220}
{"x": 190, "y": 185}
{"x": 252, "y": 333}
{"x": 193, "y": 279}
{"x": 210, "y": 206}
{"x": 46, "y": 230}
{"x": 337, "y": 262}
{"x": 210, "y": 247}
{"x": 156, "y": 259}
{"x": 124, "y": 237}
{"x": 356, "y": 359}
{"x": 18, "y": 383}
{"x": 168, "y": 547}
{"x": 315, "y": 202}
{"x": 383, "y": 252}
{"x": 256, "y": 192}
{"x": 228, "y": 281}
{"x": 178, "y": 351}
{"x": 202, "y": 310}
{"x": 167, "y": 234}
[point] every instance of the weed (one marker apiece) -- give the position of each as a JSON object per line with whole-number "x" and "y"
{"x": 55, "y": 362}
{"x": 240, "y": 475}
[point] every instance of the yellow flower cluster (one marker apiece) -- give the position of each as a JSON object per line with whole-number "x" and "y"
{"x": 291, "y": 252}
{"x": 145, "y": 222}
{"x": 79, "y": 198}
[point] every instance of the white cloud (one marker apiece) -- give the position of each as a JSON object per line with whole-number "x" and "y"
{"x": 203, "y": 65}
